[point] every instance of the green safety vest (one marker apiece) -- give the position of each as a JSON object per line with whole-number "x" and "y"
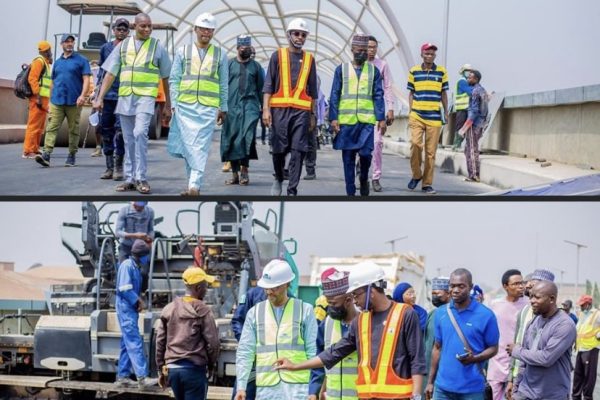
{"x": 45, "y": 80}
{"x": 341, "y": 378}
{"x": 139, "y": 75}
{"x": 200, "y": 80}
{"x": 461, "y": 101}
{"x": 279, "y": 340}
{"x": 356, "y": 103}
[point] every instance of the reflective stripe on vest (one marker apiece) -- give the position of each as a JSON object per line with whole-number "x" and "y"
{"x": 586, "y": 333}
{"x": 341, "y": 378}
{"x": 139, "y": 75}
{"x": 200, "y": 80}
{"x": 279, "y": 340}
{"x": 381, "y": 382}
{"x": 45, "y": 79}
{"x": 461, "y": 101}
{"x": 356, "y": 102}
{"x": 298, "y": 98}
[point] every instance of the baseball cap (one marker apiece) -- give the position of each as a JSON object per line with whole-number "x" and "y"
{"x": 44, "y": 45}
{"x": 140, "y": 203}
{"x": 427, "y": 46}
{"x": 585, "y": 299}
{"x": 121, "y": 22}
{"x": 66, "y": 37}
{"x": 195, "y": 275}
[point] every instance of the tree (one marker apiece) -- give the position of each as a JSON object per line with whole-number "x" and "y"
{"x": 588, "y": 287}
{"x": 596, "y": 295}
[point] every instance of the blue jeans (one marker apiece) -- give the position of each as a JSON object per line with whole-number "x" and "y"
{"x": 188, "y": 383}
{"x": 440, "y": 394}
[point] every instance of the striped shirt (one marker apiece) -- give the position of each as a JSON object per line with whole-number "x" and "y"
{"x": 426, "y": 87}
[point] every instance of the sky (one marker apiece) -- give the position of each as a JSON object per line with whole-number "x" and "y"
{"x": 520, "y": 46}
{"x": 486, "y": 237}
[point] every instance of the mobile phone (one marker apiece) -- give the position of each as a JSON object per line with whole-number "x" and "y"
{"x": 463, "y": 356}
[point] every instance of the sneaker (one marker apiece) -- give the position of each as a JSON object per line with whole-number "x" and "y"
{"x": 143, "y": 383}
{"x": 310, "y": 177}
{"x": 276, "y": 188}
{"x": 70, "y": 160}
{"x": 43, "y": 159}
{"x": 97, "y": 152}
{"x": 29, "y": 155}
{"x": 364, "y": 188}
{"x": 428, "y": 190}
{"x": 124, "y": 382}
{"x": 413, "y": 183}
{"x": 376, "y": 185}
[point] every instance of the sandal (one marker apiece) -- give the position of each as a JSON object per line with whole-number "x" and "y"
{"x": 244, "y": 179}
{"x": 143, "y": 187}
{"x": 233, "y": 181}
{"x": 125, "y": 187}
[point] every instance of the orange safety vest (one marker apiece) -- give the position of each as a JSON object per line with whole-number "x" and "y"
{"x": 381, "y": 382}
{"x": 298, "y": 98}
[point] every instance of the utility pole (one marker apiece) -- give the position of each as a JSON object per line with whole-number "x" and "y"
{"x": 579, "y": 247}
{"x": 446, "y": 24}
{"x": 393, "y": 242}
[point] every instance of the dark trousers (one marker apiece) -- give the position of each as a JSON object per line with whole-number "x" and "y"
{"x": 237, "y": 164}
{"x": 250, "y": 390}
{"x": 459, "y": 121}
{"x": 584, "y": 377}
{"x": 112, "y": 138}
{"x": 294, "y": 167}
{"x": 263, "y": 133}
{"x": 188, "y": 383}
{"x": 349, "y": 160}
{"x": 311, "y": 155}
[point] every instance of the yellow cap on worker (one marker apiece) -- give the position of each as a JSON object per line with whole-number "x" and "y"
{"x": 195, "y": 275}
{"x": 44, "y": 45}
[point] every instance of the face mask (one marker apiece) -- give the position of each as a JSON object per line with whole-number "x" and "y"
{"x": 437, "y": 301}
{"x": 245, "y": 54}
{"x": 360, "y": 58}
{"x": 337, "y": 313}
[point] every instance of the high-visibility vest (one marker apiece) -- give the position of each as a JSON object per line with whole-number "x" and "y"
{"x": 285, "y": 96}
{"x": 461, "y": 101}
{"x": 200, "y": 80}
{"x": 356, "y": 102}
{"x": 341, "y": 378}
{"x": 279, "y": 340}
{"x": 139, "y": 75}
{"x": 586, "y": 332}
{"x": 45, "y": 79}
{"x": 381, "y": 382}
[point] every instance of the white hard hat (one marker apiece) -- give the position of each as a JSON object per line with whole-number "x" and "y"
{"x": 298, "y": 24}
{"x": 465, "y": 67}
{"x": 206, "y": 20}
{"x": 363, "y": 274}
{"x": 276, "y": 273}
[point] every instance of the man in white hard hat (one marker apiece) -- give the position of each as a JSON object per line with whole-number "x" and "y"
{"x": 199, "y": 89}
{"x": 462, "y": 93}
{"x": 289, "y": 105}
{"x": 279, "y": 327}
{"x": 387, "y": 337}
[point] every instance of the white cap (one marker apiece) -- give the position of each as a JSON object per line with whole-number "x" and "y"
{"x": 206, "y": 20}
{"x": 465, "y": 67}
{"x": 298, "y": 24}
{"x": 94, "y": 119}
{"x": 276, "y": 273}
{"x": 363, "y": 274}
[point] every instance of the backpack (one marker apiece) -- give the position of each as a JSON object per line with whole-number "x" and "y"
{"x": 22, "y": 87}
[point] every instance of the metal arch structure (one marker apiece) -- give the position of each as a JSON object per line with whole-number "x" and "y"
{"x": 333, "y": 22}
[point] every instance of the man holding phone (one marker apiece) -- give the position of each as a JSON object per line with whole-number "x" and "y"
{"x": 451, "y": 360}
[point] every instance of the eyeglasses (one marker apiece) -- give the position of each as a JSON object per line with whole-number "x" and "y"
{"x": 299, "y": 33}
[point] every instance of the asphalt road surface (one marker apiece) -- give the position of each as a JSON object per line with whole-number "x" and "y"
{"x": 166, "y": 175}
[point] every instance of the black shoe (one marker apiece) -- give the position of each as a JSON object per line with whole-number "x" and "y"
{"x": 364, "y": 188}
{"x": 310, "y": 177}
{"x": 428, "y": 190}
{"x": 70, "y": 160}
{"x": 43, "y": 159}
{"x": 413, "y": 183}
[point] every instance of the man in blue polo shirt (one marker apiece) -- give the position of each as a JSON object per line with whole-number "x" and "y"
{"x": 70, "y": 84}
{"x": 455, "y": 371}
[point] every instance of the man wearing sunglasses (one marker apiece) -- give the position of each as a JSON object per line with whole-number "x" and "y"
{"x": 289, "y": 103}
{"x": 112, "y": 138}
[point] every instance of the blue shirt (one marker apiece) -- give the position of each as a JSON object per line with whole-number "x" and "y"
{"x": 478, "y": 324}
{"x": 476, "y": 103}
{"x": 464, "y": 87}
{"x": 129, "y": 282}
{"x": 105, "y": 50}
{"x": 67, "y": 79}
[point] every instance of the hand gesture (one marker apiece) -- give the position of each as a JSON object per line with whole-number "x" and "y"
{"x": 283, "y": 363}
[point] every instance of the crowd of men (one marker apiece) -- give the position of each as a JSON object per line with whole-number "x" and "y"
{"x": 366, "y": 344}
{"x": 202, "y": 89}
